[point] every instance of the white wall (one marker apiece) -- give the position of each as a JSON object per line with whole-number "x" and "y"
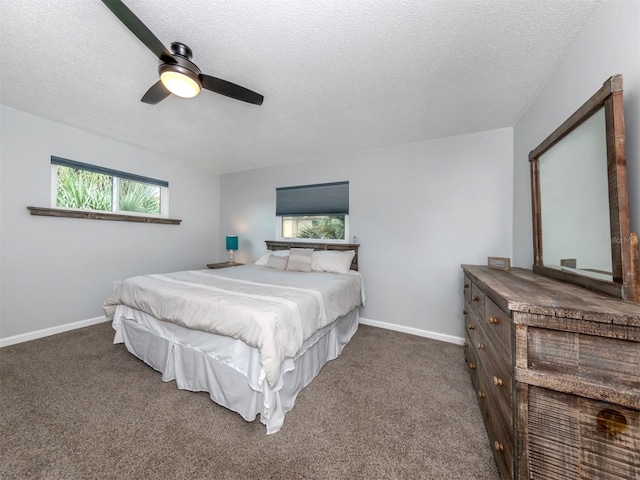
{"x": 418, "y": 210}
{"x": 57, "y": 271}
{"x": 610, "y": 45}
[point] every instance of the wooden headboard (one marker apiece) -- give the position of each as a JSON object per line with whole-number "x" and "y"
{"x": 274, "y": 245}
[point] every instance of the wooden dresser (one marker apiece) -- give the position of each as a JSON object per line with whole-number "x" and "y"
{"x": 557, "y": 372}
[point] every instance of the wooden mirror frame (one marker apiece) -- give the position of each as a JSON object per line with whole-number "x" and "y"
{"x": 624, "y": 245}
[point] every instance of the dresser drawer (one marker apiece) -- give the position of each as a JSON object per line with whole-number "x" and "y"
{"x": 466, "y": 287}
{"x": 498, "y": 326}
{"x": 471, "y": 323}
{"x": 472, "y": 361}
{"x": 477, "y": 300}
{"x": 499, "y": 380}
{"x": 607, "y": 361}
{"x": 576, "y": 437}
{"x": 499, "y": 434}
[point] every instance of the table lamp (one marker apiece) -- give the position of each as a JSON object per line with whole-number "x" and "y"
{"x": 232, "y": 244}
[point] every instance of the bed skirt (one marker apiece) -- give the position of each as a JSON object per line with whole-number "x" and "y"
{"x": 229, "y": 369}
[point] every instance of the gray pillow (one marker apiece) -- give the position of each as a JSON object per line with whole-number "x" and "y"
{"x": 277, "y": 262}
{"x": 300, "y": 259}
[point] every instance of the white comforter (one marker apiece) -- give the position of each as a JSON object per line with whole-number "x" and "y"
{"x": 271, "y": 310}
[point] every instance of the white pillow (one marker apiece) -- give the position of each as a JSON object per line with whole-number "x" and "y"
{"x": 300, "y": 260}
{"x": 265, "y": 257}
{"x": 277, "y": 262}
{"x": 333, "y": 261}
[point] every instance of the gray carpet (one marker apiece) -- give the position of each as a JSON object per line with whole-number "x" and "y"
{"x": 392, "y": 406}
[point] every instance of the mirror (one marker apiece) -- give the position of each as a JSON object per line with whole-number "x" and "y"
{"x": 574, "y": 197}
{"x": 579, "y": 198}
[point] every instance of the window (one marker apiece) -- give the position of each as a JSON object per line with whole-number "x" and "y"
{"x": 330, "y": 227}
{"x": 313, "y": 212}
{"x": 81, "y": 186}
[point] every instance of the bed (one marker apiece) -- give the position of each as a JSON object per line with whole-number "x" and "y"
{"x": 252, "y": 336}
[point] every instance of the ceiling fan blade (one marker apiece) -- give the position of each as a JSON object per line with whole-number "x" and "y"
{"x": 139, "y": 29}
{"x": 229, "y": 89}
{"x": 155, "y": 94}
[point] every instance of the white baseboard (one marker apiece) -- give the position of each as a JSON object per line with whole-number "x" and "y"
{"x": 413, "y": 331}
{"x": 25, "y": 337}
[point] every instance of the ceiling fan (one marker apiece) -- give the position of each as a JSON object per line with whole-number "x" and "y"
{"x": 178, "y": 74}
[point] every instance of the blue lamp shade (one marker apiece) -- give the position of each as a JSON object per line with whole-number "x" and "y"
{"x": 232, "y": 242}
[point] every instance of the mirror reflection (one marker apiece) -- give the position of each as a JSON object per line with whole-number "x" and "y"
{"x": 574, "y": 199}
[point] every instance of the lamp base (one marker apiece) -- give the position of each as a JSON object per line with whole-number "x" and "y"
{"x": 231, "y": 260}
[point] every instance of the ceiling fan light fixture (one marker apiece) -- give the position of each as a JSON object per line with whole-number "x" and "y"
{"x": 180, "y": 81}
{"x": 178, "y": 74}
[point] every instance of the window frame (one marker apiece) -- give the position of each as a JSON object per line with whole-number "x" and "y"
{"x": 314, "y": 200}
{"x": 280, "y": 238}
{"x": 115, "y": 176}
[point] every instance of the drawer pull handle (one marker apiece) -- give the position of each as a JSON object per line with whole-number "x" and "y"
{"x": 498, "y": 446}
{"x": 480, "y": 346}
{"x": 481, "y": 394}
{"x": 472, "y": 327}
{"x": 464, "y": 312}
{"x": 466, "y": 285}
{"x": 497, "y": 381}
{"x": 475, "y": 298}
{"x": 611, "y": 422}
{"x": 472, "y": 366}
{"x": 493, "y": 320}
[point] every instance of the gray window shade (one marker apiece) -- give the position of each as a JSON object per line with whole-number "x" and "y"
{"x": 63, "y": 162}
{"x": 319, "y": 199}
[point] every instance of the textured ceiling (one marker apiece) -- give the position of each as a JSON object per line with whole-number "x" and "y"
{"x": 337, "y": 75}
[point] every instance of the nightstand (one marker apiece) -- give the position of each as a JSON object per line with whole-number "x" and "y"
{"x": 223, "y": 265}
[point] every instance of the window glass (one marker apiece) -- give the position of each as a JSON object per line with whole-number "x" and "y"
{"x": 83, "y": 189}
{"x": 138, "y": 197}
{"x": 319, "y": 227}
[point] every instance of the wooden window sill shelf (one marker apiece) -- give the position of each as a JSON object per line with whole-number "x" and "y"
{"x": 118, "y": 217}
